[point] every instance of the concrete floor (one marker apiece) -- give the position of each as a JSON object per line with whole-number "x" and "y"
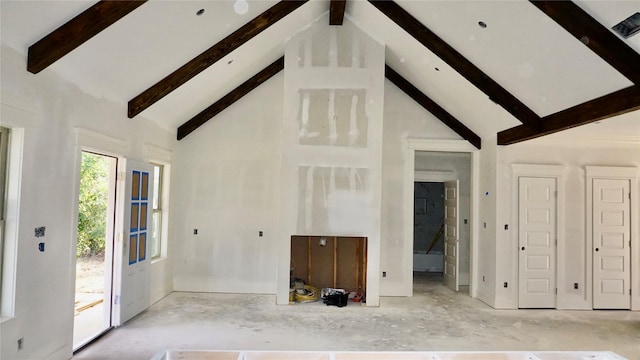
{"x": 435, "y": 318}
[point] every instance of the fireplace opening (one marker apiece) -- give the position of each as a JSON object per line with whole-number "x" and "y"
{"x": 321, "y": 265}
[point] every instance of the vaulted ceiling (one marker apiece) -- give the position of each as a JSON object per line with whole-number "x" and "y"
{"x": 512, "y": 69}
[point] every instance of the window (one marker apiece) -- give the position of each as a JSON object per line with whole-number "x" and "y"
{"x": 4, "y": 140}
{"x": 156, "y": 235}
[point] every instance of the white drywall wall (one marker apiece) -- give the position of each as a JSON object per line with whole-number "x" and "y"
{"x": 486, "y": 254}
{"x": 574, "y": 156}
{"x": 49, "y": 110}
{"x": 227, "y": 186}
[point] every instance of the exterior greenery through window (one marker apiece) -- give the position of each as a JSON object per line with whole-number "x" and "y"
{"x": 4, "y": 141}
{"x": 92, "y": 205}
{"x": 156, "y": 234}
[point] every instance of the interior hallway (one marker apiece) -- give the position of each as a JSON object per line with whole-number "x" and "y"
{"x": 435, "y": 318}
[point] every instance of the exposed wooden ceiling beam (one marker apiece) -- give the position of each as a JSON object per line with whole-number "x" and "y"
{"x": 212, "y": 55}
{"x": 432, "y": 107}
{"x": 594, "y": 35}
{"x": 76, "y": 31}
{"x": 226, "y": 101}
{"x": 336, "y": 12}
{"x": 616, "y": 103}
{"x": 444, "y": 51}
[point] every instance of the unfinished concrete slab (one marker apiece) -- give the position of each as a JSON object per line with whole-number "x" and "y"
{"x": 417, "y": 355}
{"x": 434, "y": 319}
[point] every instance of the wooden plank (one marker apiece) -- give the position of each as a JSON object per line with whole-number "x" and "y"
{"x": 76, "y": 32}
{"x": 322, "y": 264}
{"x": 336, "y": 11}
{"x": 348, "y": 261}
{"x": 300, "y": 257}
{"x": 364, "y": 264}
{"x": 464, "y": 67}
{"x": 211, "y": 56}
{"x": 594, "y": 35}
{"x": 431, "y": 106}
{"x": 335, "y": 261}
{"x": 616, "y": 103}
{"x": 226, "y": 101}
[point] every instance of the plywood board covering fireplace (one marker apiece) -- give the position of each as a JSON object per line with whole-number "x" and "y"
{"x": 330, "y": 261}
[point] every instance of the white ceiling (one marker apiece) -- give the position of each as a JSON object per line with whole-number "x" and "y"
{"x": 521, "y": 49}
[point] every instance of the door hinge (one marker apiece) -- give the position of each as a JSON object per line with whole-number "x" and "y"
{"x": 116, "y": 300}
{"x": 556, "y": 291}
{"x": 556, "y": 242}
{"x": 120, "y": 176}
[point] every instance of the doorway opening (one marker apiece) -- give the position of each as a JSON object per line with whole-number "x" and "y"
{"x": 442, "y": 209}
{"x": 94, "y": 250}
{"x": 428, "y": 227}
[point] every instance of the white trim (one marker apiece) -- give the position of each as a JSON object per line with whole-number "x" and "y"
{"x": 540, "y": 171}
{"x": 624, "y": 173}
{"x": 434, "y": 176}
{"x": 155, "y": 153}
{"x": 93, "y": 141}
{"x": 438, "y": 145}
{"x": 16, "y": 112}
{"x": 12, "y": 223}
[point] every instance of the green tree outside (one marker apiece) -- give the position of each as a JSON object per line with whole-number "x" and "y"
{"x": 92, "y": 205}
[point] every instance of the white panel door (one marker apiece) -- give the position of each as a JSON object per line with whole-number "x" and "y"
{"x": 134, "y": 261}
{"x": 537, "y": 242}
{"x": 451, "y": 248}
{"x": 611, "y": 248}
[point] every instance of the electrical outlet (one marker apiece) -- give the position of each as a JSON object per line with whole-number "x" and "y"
{"x": 384, "y": 274}
{"x": 20, "y": 343}
{"x": 505, "y": 284}
{"x": 260, "y": 233}
{"x": 575, "y": 286}
{"x": 195, "y": 231}
{"x": 506, "y": 226}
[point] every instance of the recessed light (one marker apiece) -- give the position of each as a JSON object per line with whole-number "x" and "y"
{"x": 200, "y": 12}
{"x": 482, "y": 24}
{"x": 241, "y": 7}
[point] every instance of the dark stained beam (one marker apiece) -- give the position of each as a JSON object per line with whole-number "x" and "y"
{"x": 76, "y": 31}
{"x": 444, "y": 51}
{"x": 616, "y": 103}
{"x": 212, "y": 55}
{"x": 432, "y": 107}
{"x": 226, "y": 101}
{"x": 336, "y": 12}
{"x": 594, "y": 35}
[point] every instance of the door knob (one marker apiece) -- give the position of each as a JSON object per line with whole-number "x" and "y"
{"x": 597, "y": 249}
{"x": 523, "y": 248}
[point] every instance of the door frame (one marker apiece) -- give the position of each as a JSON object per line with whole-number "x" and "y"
{"x": 90, "y": 141}
{"x": 440, "y": 145}
{"x": 537, "y": 171}
{"x": 615, "y": 173}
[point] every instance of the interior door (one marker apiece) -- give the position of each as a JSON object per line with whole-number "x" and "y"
{"x": 451, "y": 248}
{"x": 537, "y": 242}
{"x": 611, "y": 247}
{"x": 133, "y": 261}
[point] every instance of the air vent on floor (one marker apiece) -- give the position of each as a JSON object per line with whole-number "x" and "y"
{"x": 629, "y": 26}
